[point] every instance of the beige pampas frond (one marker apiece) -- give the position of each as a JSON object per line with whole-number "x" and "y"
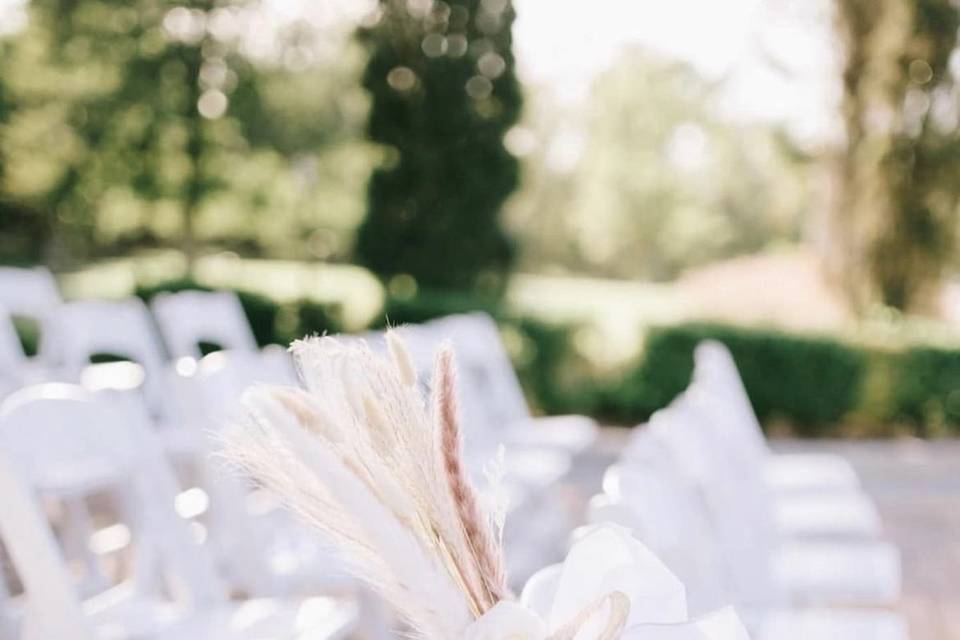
{"x": 359, "y": 456}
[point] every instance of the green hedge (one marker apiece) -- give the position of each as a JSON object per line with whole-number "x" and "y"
{"x": 925, "y": 390}
{"x": 819, "y": 386}
{"x": 812, "y": 382}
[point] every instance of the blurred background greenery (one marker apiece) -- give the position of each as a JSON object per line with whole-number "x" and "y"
{"x": 611, "y": 182}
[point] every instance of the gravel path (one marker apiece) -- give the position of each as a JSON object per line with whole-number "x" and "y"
{"x": 916, "y": 485}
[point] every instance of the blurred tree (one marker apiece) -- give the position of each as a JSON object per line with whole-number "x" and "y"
{"x": 646, "y": 179}
{"x": 441, "y": 76}
{"x": 898, "y": 179}
{"x": 157, "y": 122}
{"x": 148, "y": 119}
{"x": 6, "y": 103}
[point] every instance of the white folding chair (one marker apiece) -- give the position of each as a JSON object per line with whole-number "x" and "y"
{"x": 121, "y": 328}
{"x": 18, "y": 370}
{"x": 51, "y": 434}
{"x": 13, "y": 361}
{"x": 716, "y": 368}
{"x": 262, "y": 550}
{"x": 844, "y": 511}
{"x": 270, "y": 554}
{"x": 840, "y": 511}
{"x": 32, "y": 293}
{"x": 667, "y": 514}
{"x": 533, "y": 473}
{"x": 28, "y": 294}
{"x": 530, "y": 466}
{"x": 847, "y": 572}
{"x": 188, "y": 319}
{"x": 499, "y": 403}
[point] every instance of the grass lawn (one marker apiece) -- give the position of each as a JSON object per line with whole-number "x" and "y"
{"x": 612, "y": 310}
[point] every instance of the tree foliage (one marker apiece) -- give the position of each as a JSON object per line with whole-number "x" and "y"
{"x": 647, "y": 178}
{"x": 151, "y": 123}
{"x": 441, "y": 77}
{"x": 898, "y": 179}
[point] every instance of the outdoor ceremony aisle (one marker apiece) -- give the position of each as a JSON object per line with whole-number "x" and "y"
{"x": 916, "y": 485}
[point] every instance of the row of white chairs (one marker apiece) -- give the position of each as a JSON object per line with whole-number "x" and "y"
{"x": 51, "y": 437}
{"x": 190, "y": 395}
{"x": 791, "y": 540}
{"x": 184, "y": 399}
{"x": 779, "y": 536}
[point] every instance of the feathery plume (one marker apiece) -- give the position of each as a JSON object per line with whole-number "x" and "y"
{"x": 359, "y": 456}
{"x": 477, "y": 527}
{"x": 401, "y": 358}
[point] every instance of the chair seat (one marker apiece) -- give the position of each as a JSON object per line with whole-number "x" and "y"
{"x": 826, "y": 624}
{"x": 118, "y": 615}
{"x": 839, "y": 573}
{"x": 572, "y": 434}
{"x": 843, "y": 514}
{"x": 260, "y": 619}
{"x": 809, "y": 472}
{"x": 535, "y": 469}
{"x": 79, "y": 479}
{"x": 182, "y": 441}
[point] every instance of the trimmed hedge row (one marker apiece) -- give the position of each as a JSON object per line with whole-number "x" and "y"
{"x": 812, "y": 383}
{"x": 817, "y": 385}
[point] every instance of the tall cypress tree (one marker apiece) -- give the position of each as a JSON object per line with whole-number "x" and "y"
{"x": 444, "y": 93}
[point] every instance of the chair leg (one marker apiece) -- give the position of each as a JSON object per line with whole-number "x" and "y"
{"x": 78, "y": 528}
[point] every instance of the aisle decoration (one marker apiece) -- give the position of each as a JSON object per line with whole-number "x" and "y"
{"x": 362, "y": 456}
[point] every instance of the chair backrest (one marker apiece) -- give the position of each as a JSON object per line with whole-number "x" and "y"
{"x": 33, "y": 293}
{"x": 733, "y": 464}
{"x": 55, "y": 434}
{"x": 188, "y": 318}
{"x": 479, "y": 345}
{"x": 491, "y": 398}
{"x": 221, "y": 378}
{"x": 116, "y": 327}
{"x": 741, "y": 522}
{"x": 53, "y": 609}
{"x": 29, "y": 292}
{"x": 668, "y": 514}
{"x": 716, "y": 370}
{"x": 211, "y": 397}
{"x": 12, "y": 358}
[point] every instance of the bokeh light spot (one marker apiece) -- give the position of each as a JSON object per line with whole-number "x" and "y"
{"x": 479, "y": 87}
{"x": 920, "y": 71}
{"x": 434, "y": 45}
{"x": 402, "y": 78}
{"x": 212, "y": 104}
{"x": 491, "y": 64}
{"x": 456, "y": 45}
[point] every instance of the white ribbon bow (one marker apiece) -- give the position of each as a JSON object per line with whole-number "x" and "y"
{"x": 610, "y": 587}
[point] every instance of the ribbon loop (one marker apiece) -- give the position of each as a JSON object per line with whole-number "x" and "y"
{"x": 619, "y": 607}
